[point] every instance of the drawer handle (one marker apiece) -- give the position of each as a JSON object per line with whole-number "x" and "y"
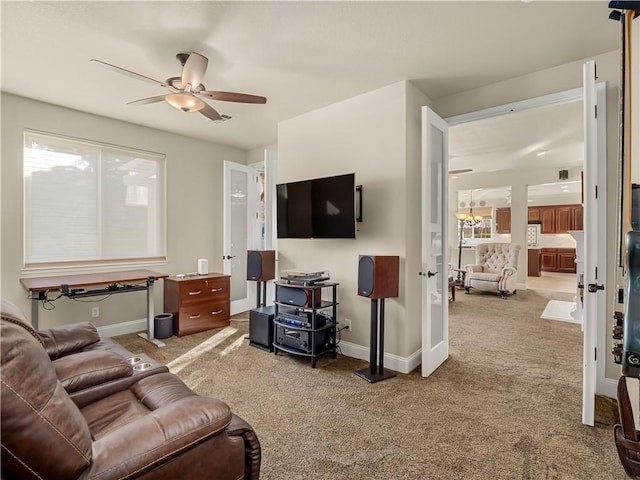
{"x": 195, "y": 293}
{"x": 191, "y": 317}
{"x": 217, "y": 312}
{"x": 216, "y": 289}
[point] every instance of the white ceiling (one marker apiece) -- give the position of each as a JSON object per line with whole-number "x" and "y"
{"x": 300, "y": 55}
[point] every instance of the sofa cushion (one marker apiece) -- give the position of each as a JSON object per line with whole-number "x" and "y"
{"x": 59, "y": 341}
{"x": 37, "y": 414}
{"x": 86, "y": 369}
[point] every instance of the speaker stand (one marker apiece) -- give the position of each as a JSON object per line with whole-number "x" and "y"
{"x": 261, "y": 294}
{"x": 376, "y": 371}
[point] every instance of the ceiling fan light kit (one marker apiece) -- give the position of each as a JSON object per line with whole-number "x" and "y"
{"x": 184, "y": 102}
{"x": 187, "y": 88}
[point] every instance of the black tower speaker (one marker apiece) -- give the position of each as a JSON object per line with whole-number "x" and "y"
{"x": 261, "y": 328}
{"x": 378, "y": 276}
{"x": 261, "y": 265}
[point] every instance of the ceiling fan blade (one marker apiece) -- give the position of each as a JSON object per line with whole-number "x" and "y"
{"x": 146, "y": 101}
{"x": 464, "y": 170}
{"x": 232, "y": 97}
{"x": 193, "y": 70}
{"x": 132, "y": 74}
{"x": 209, "y": 112}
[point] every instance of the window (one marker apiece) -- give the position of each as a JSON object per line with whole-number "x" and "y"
{"x": 478, "y": 232}
{"x": 91, "y": 203}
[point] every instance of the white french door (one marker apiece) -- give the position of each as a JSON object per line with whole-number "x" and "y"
{"x": 240, "y": 209}
{"x": 595, "y": 225}
{"x": 434, "y": 271}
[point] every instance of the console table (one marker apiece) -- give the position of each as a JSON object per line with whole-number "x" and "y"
{"x": 74, "y": 286}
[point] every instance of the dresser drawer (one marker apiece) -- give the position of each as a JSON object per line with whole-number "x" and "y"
{"x": 204, "y": 290}
{"x": 201, "y": 316}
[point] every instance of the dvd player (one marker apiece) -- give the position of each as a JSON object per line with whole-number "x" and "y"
{"x": 302, "y": 319}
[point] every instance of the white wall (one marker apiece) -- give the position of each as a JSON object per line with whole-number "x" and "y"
{"x": 194, "y": 202}
{"x": 375, "y": 135}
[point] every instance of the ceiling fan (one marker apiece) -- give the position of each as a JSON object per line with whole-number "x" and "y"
{"x": 187, "y": 90}
{"x": 463, "y": 170}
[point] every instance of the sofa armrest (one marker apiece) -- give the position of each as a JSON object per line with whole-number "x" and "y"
{"x": 253, "y": 453}
{"x": 87, "y": 369}
{"x": 473, "y": 267}
{"x": 59, "y": 341}
{"x": 154, "y": 439}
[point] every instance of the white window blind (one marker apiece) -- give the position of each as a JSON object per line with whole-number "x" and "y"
{"x": 91, "y": 203}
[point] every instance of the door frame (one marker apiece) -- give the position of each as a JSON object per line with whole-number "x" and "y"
{"x": 604, "y": 386}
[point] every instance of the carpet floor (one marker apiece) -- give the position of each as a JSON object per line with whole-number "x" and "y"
{"x": 505, "y": 405}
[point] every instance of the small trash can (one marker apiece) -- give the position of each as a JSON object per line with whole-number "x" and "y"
{"x": 163, "y": 325}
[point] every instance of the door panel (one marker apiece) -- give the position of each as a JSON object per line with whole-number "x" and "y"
{"x": 434, "y": 274}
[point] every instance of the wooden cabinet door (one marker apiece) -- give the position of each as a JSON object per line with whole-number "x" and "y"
{"x": 533, "y": 215}
{"x": 549, "y": 259}
{"x": 533, "y": 257}
{"x": 548, "y": 219}
{"x": 567, "y": 260}
{"x": 564, "y": 221}
{"x": 503, "y": 220}
{"x": 577, "y": 214}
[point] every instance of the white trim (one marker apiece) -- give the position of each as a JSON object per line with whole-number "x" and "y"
{"x": 546, "y": 100}
{"x": 608, "y": 388}
{"x": 132, "y": 326}
{"x": 391, "y": 361}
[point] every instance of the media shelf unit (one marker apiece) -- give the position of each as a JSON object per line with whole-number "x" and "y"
{"x": 304, "y": 324}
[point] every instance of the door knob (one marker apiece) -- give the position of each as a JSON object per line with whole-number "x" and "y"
{"x": 594, "y": 287}
{"x": 228, "y": 257}
{"x": 431, "y": 274}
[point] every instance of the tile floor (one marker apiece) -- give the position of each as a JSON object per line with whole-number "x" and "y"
{"x": 559, "y": 282}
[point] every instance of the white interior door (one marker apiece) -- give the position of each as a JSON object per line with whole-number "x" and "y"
{"x": 240, "y": 210}
{"x": 594, "y": 311}
{"x": 434, "y": 272}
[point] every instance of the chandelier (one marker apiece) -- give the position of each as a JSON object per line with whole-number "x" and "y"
{"x": 469, "y": 219}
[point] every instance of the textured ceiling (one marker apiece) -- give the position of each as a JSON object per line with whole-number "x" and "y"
{"x": 300, "y": 55}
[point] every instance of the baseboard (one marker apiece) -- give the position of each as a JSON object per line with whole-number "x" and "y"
{"x": 391, "y": 361}
{"x": 608, "y": 388}
{"x": 132, "y": 326}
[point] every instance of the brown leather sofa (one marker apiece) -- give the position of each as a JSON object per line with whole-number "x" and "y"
{"x": 75, "y": 407}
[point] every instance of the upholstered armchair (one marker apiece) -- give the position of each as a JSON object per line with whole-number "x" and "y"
{"x": 495, "y": 268}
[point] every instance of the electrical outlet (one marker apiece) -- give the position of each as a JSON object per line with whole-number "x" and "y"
{"x": 95, "y": 312}
{"x": 347, "y": 323}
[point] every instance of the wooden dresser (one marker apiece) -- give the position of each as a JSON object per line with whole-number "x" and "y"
{"x": 197, "y": 302}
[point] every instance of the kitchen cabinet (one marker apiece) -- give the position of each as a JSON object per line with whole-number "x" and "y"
{"x": 548, "y": 219}
{"x": 567, "y": 260}
{"x": 556, "y": 218}
{"x": 503, "y": 220}
{"x": 558, "y": 260}
{"x": 533, "y": 262}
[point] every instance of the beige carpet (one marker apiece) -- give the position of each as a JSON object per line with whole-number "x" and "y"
{"x": 505, "y": 405}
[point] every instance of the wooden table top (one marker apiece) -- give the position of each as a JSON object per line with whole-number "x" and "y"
{"x": 36, "y": 284}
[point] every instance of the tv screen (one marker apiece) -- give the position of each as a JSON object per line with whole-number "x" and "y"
{"x": 317, "y": 208}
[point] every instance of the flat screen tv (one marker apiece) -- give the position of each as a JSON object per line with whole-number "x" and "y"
{"x": 317, "y": 208}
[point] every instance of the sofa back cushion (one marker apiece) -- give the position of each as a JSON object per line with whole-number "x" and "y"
{"x": 495, "y": 256}
{"x": 44, "y": 435}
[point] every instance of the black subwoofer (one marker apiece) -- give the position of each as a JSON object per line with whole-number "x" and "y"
{"x": 261, "y": 265}
{"x": 261, "y": 328}
{"x": 378, "y": 276}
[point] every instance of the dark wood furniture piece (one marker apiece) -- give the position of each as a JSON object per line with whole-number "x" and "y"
{"x": 503, "y": 220}
{"x": 300, "y": 328}
{"x": 626, "y": 436}
{"x": 74, "y": 286}
{"x": 558, "y": 260}
{"x": 556, "y": 218}
{"x": 534, "y": 262}
{"x": 198, "y": 303}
